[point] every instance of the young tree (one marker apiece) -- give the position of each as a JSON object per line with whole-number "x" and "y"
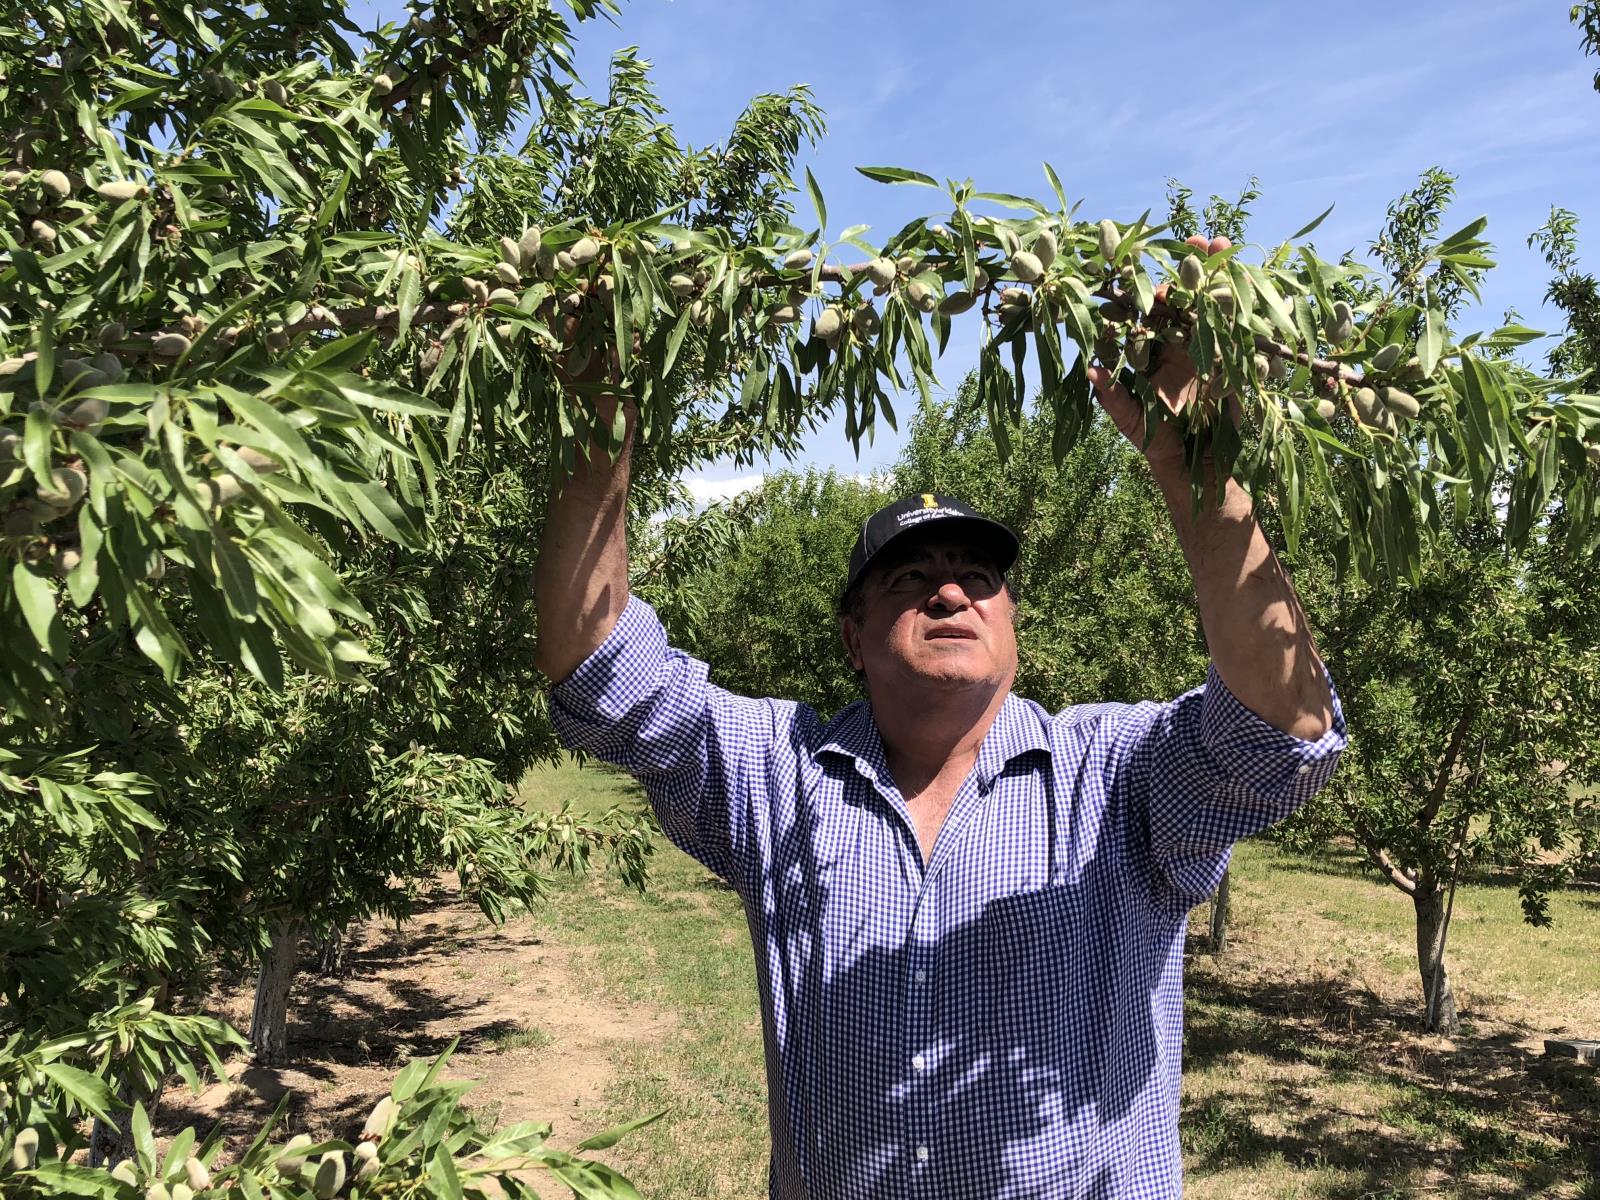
{"x": 1473, "y": 679}
{"x": 764, "y": 612}
{"x": 139, "y": 860}
{"x": 415, "y": 769}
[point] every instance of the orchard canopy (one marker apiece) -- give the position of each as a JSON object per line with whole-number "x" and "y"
{"x": 233, "y": 317}
{"x": 274, "y": 289}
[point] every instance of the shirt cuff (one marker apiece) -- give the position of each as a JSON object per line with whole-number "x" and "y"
{"x": 622, "y": 672}
{"x": 1269, "y": 761}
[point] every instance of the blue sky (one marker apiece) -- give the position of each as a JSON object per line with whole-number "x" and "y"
{"x": 1343, "y": 104}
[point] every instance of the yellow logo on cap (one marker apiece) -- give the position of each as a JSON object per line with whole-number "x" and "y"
{"x": 928, "y": 501}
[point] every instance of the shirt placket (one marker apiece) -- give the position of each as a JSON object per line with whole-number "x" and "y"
{"x": 921, "y": 1118}
{"x": 921, "y": 963}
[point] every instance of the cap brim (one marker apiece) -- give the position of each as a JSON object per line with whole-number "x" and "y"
{"x": 998, "y": 538}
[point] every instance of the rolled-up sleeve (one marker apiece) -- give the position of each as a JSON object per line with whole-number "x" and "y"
{"x": 1210, "y": 772}
{"x": 1276, "y": 766}
{"x": 650, "y": 709}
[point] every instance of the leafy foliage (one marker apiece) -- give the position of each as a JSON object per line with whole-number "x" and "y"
{"x": 418, "y": 1140}
{"x": 1573, "y": 291}
{"x": 1586, "y": 17}
{"x": 275, "y": 663}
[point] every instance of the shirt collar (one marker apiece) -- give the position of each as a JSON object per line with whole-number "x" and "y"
{"x": 1018, "y": 729}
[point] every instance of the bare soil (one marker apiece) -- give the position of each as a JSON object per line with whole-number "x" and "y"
{"x": 540, "y": 1043}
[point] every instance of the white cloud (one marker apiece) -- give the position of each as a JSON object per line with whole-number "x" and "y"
{"x": 713, "y": 491}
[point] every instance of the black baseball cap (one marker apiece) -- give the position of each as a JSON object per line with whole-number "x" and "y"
{"x": 918, "y": 513}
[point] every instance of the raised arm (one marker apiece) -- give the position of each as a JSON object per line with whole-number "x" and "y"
{"x": 581, "y": 581}
{"x": 1255, "y": 628}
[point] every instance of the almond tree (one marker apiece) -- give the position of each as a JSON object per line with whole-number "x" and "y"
{"x": 247, "y": 323}
{"x": 1475, "y": 679}
{"x": 1476, "y": 690}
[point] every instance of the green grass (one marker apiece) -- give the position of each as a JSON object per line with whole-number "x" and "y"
{"x": 523, "y": 1037}
{"x": 1305, "y": 1075}
{"x": 1502, "y": 966}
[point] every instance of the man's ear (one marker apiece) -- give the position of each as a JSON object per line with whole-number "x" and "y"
{"x": 850, "y": 635}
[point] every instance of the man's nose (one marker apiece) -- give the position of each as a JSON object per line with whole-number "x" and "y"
{"x": 950, "y": 596}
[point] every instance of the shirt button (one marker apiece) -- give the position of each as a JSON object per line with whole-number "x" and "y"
{"x": 918, "y": 1061}
{"x": 1305, "y": 769}
{"x": 922, "y": 1154}
{"x": 921, "y": 975}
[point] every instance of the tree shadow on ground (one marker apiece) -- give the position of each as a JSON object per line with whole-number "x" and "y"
{"x": 394, "y": 1002}
{"x": 1332, "y": 1077}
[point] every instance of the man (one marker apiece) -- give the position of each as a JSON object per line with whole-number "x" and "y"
{"x": 968, "y": 913}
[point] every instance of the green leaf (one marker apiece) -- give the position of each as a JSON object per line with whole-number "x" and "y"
{"x": 384, "y": 397}
{"x": 408, "y": 297}
{"x": 816, "y": 200}
{"x": 675, "y": 341}
{"x": 58, "y": 1178}
{"x": 234, "y": 573}
{"x": 38, "y": 601}
{"x": 444, "y": 1174}
{"x": 88, "y": 1092}
{"x": 1011, "y": 201}
{"x": 38, "y": 436}
{"x": 1305, "y": 229}
{"x": 1055, "y": 185}
{"x": 144, "y": 1141}
{"x": 897, "y": 175}
{"x": 520, "y": 1138}
{"x": 1513, "y": 335}
{"x": 178, "y": 1150}
{"x": 384, "y": 512}
{"x": 44, "y": 363}
{"x": 330, "y": 207}
{"x": 1466, "y": 234}
{"x": 342, "y": 353}
{"x": 1431, "y": 344}
{"x": 611, "y": 1137}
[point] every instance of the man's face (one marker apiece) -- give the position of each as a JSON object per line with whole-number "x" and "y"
{"x": 935, "y": 615}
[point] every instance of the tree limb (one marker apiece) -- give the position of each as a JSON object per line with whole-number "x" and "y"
{"x": 321, "y": 319}
{"x": 1397, "y": 875}
{"x": 1441, "y": 783}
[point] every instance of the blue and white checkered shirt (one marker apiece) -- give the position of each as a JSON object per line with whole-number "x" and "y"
{"x": 1006, "y": 1019}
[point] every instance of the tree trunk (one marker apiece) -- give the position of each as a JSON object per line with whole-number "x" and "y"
{"x": 1219, "y": 915}
{"x": 333, "y": 955}
{"x": 269, "y": 1019}
{"x": 107, "y": 1143}
{"x": 1440, "y": 1002}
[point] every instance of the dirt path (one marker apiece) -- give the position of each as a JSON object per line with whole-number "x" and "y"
{"x": 541, "y": 1044}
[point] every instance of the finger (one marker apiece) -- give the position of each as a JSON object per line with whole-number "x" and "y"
{"x": 1124, "y": 412}
{"x": 1105, "y": 385}
{"x": 1103, "y": 380}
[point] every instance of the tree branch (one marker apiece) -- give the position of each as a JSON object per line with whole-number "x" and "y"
{"x": 1397, "y": 875}
{"x": 1441, "y": 783}
{"x": 440, "y": 65}
{"x": 323, "y": 320}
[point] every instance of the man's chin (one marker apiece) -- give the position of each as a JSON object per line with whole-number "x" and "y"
{"x": 953, "y": 676}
